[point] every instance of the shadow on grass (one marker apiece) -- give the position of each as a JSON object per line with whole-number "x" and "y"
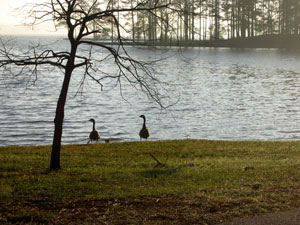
{"x": 158, "y": 171}
{"x": 164, "y": 170}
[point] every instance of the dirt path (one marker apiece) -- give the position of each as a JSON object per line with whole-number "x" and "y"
{"x": 291, "y": 217}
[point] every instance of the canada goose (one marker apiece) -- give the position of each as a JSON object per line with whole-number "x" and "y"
{"x": 94, "y": 135}
{"x": 144, "y": 132}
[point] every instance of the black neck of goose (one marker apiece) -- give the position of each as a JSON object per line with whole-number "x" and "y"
{"x": 94, "y": 125}
{"x": 144, "y": 125}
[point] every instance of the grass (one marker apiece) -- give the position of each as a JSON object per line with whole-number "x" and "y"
{"x": 203, "y": 182}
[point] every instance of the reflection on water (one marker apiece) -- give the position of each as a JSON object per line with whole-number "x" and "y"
{"x": 236, "y": 94}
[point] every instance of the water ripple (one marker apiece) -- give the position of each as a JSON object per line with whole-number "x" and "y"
{"x": 224, "y": 94}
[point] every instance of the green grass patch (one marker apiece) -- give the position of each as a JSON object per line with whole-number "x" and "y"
{"x": 203, "y": 182}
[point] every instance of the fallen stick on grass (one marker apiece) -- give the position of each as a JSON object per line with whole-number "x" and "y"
{"x": 159, "y": 164}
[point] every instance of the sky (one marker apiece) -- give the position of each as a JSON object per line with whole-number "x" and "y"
{"x": 11, "y": 23}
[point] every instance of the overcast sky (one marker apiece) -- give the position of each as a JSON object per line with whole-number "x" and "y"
{"x": 11, "y": 22}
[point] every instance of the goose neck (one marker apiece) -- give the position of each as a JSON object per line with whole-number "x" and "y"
{"x": 144, "y": 124}
{"x": 94, "y": 125}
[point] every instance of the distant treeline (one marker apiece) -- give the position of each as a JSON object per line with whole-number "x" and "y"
{"x": 200, "y": 20}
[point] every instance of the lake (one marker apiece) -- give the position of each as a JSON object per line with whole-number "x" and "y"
{"x": 220, "y": 93}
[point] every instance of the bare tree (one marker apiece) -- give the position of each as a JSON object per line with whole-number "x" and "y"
{"x": 83, "y": 19}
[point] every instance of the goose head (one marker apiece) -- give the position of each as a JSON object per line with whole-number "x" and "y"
{"x": 92, "y": 120}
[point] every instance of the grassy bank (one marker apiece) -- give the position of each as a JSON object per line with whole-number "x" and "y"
{"x": 202, "y": 182}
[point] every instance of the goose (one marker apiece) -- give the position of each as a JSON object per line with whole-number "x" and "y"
{"x": 144, "y": 132}
{"x": 94, "y": 135}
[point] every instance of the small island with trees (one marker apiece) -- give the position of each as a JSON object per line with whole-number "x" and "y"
{"x": 211, "y": 23}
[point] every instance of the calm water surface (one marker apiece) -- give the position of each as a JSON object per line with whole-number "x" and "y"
{"x": 228, "y": 94}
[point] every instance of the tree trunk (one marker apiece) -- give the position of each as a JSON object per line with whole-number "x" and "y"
{"x": 216, "y": 20}
{"x": 186, "y": 20}
{"x": 200, "y": 22}
{"x": 59, "y": 119}
{"x": 193, "y": 21}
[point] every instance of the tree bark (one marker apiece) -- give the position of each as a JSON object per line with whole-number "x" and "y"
{"x": 217, "y": 20}
{"x": 186, "y": 20}
{"x": 59, "y": 119}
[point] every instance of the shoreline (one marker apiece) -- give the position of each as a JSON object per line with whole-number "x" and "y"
{"x": 263, "y": 41}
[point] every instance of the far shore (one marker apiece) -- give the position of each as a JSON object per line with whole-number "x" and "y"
{"x": 262, "y": 41}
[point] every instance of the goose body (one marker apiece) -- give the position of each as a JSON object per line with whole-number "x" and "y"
{"x": 94, "y": 135}
{"x": 144, "y": 132}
